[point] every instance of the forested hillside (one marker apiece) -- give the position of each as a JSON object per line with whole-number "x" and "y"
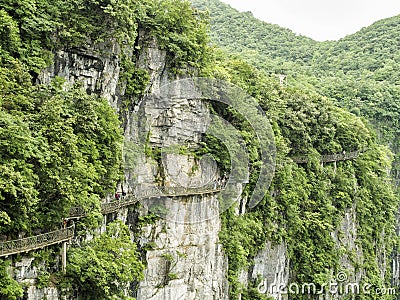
{"x": 358, "y": 72}
{"x": 311, "y": 199}
{"x": 266, "y": 46}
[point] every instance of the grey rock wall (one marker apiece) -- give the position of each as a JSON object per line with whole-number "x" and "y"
{"x": 26, "y": 272}
{"x": 271, "y": 266}
{"x": 187, "y": 261}
{"x": 396, "y": 259}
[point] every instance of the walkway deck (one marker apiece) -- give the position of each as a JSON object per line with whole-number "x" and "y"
{"x": 36, "y": 242}
{"x": 62, "y": 235}
{"x": 110, "y": 207}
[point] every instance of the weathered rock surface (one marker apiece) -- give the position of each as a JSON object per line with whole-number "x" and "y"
{"x": 271, "y": 265}
{"x": 187, "y": 261}
{"x": 96, "y": 67}
{"x": 27, "y": 273}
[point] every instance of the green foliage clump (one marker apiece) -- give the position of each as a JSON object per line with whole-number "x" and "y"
{"x": 59, "y": 149}
{"x": 181, "y": 31}
{"x": 9, "y": 36}
{"x": 135, "y": 79}
{"x": 104, "y": 267}
{"x": 242, "y": 237}
{"x": 308, "y": 201}
{"x": 40, "y": 26}
{"x": 34, "y": 29}
{"x": 9, "y": 288}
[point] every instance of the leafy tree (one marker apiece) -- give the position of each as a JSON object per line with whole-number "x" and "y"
{"x": 18, "y": 196}
{"x": 9, "y": 288}
{"x": 104, "y": 267}
{"x": 59, "y": 149}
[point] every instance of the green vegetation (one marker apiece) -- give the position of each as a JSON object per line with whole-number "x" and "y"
{"x": 358, "y": 72}
{"x": 136, "y": 81}
{"x": 309, "y": 200}
{"x": 271, "y": 47}
{"x": 59, "y": 149}
{"x": 8, "y": 286}
{"x": 181, "y": 31}
{"x": 104, "y": 267}
{"x": 63, "y": 148}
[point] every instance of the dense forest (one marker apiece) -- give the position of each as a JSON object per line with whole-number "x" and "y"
{"x": 62, "y": 148}
{"x": 358, "y": 72}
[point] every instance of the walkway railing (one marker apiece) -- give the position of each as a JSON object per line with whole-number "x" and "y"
{"x": 62, "y": 235}
{"x": 329, "y": 157}
{"x": 106, "y": 208}
{"x": 178, "y": 191}
{"x": 110, "y": 207}
{"x": 36, "y": 242}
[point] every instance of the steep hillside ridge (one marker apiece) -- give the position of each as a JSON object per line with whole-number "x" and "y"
{"x": 267, "y": 45}
{"x": 373, "y": 48}
{"x": 358, "y": 72}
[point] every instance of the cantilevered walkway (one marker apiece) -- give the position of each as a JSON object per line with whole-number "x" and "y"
{"x": 36, "y": 242}
{"x": 59, "y": 236}
{"x": 63, "y": 235}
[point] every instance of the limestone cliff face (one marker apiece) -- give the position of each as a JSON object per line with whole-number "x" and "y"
{"x": 27, "y": 272}
{"x": 186, "y": 260}
{"x": 97, "y": 68}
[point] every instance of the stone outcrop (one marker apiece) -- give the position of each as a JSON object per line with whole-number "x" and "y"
{"x": 185, "y": 260}
{"x": 27, "y": 272}
{"x": 346, "y": 237}
{"x": 95, "y": 67}
{"x": 271, "y": 267}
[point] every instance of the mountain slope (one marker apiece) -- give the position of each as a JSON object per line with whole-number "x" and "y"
{"x": 371, "y": 48}
{"x": 359, "y": 72}
{"x": 242, "y": 32}
{"x": 374, "y": 48}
